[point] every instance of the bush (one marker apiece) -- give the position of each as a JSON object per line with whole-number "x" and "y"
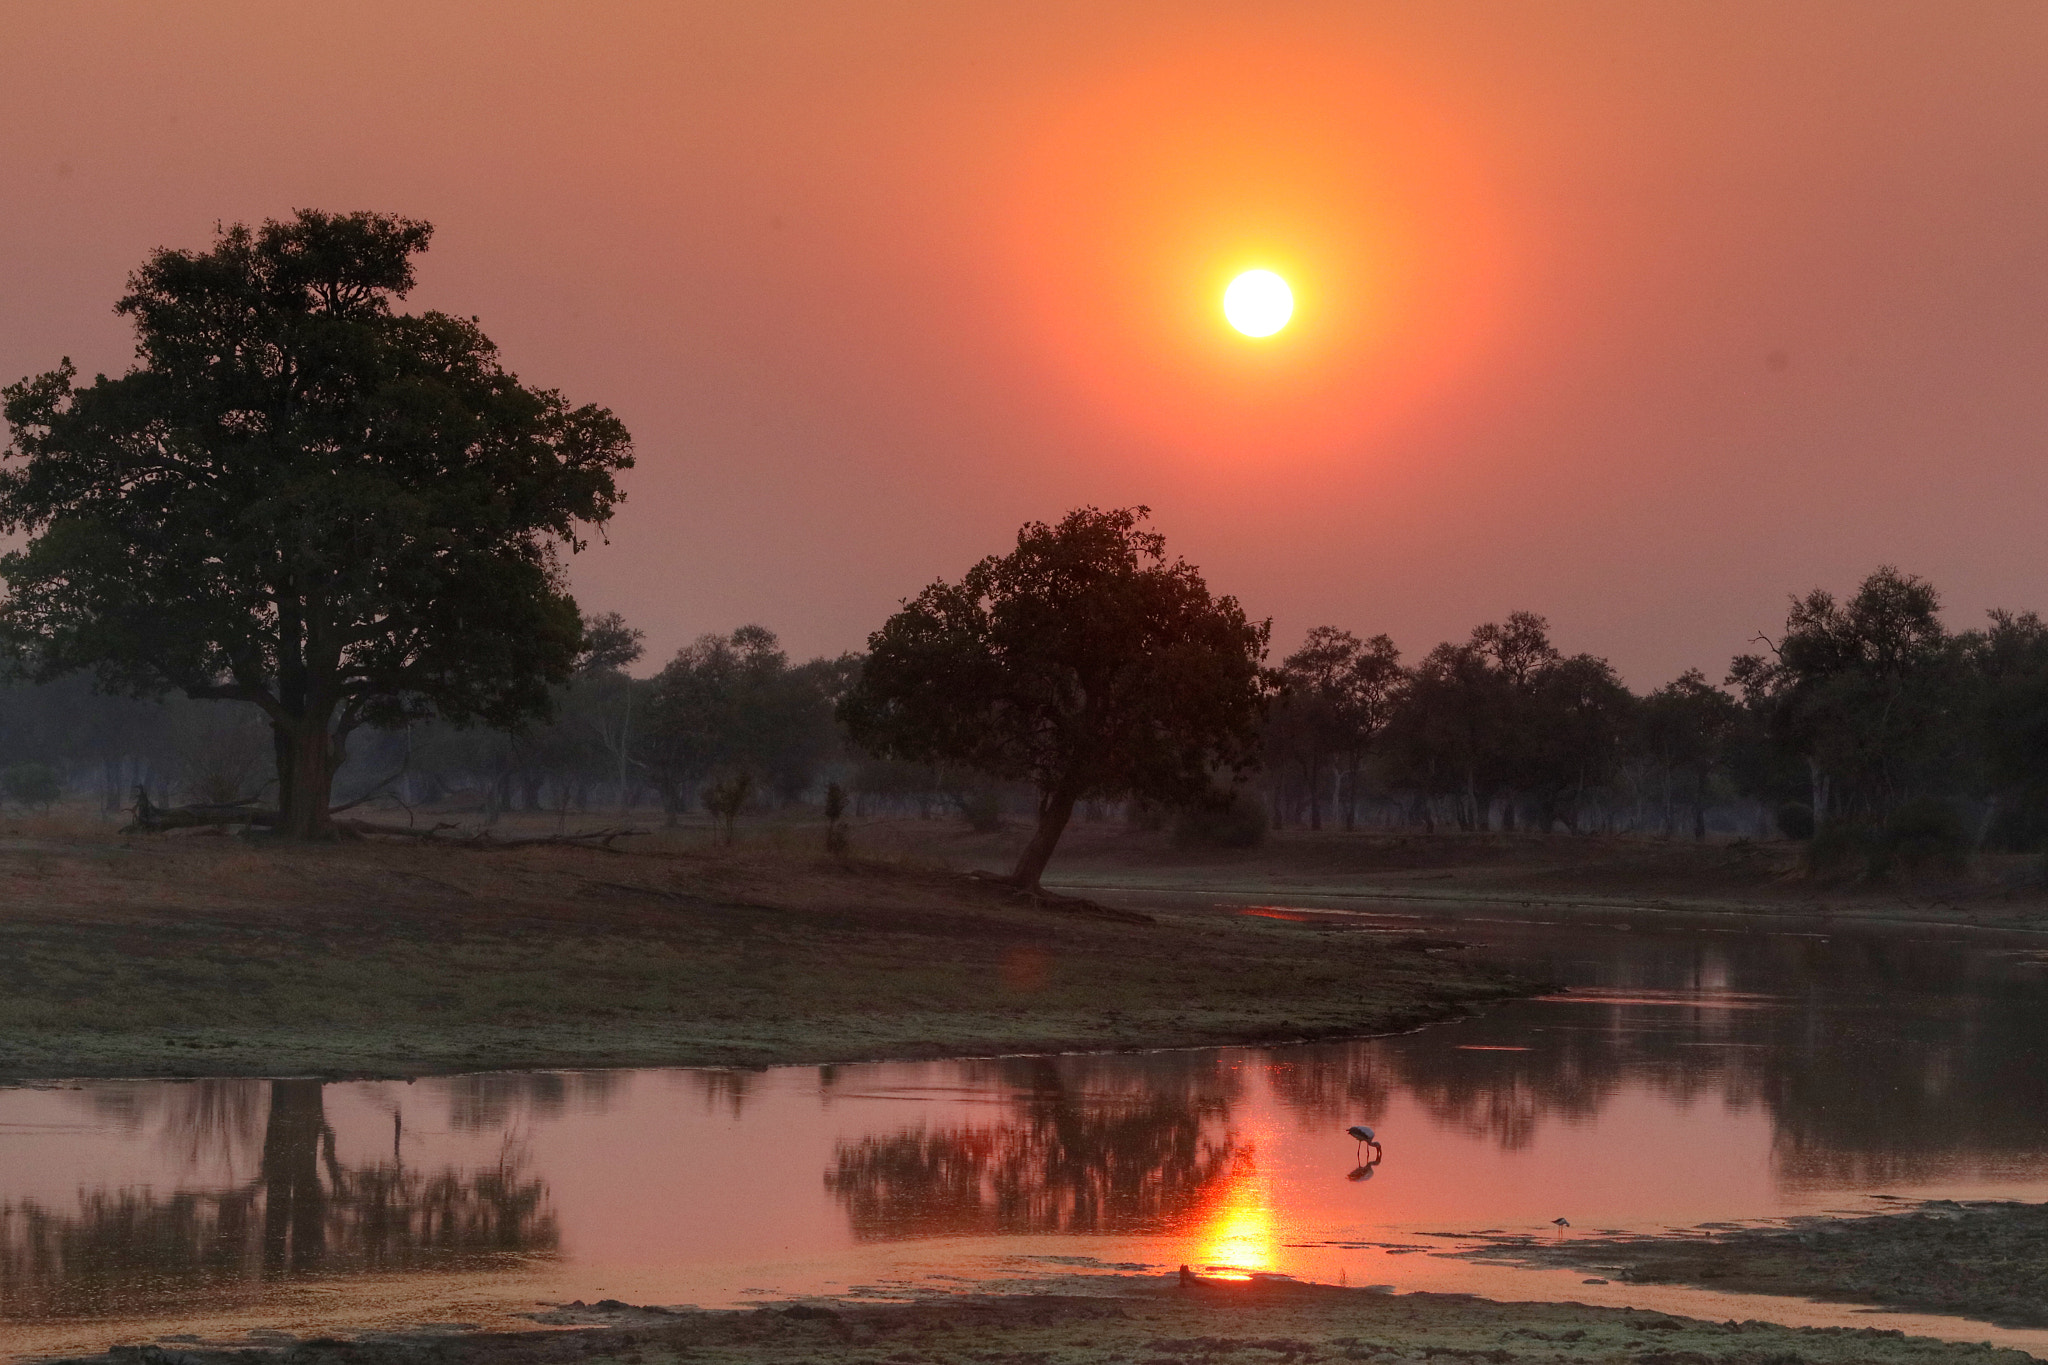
{"x": 1230, "y": 820}
{"x": 983, "y": 811}
{"x": 835, "y": 815}
{"x": 1923, "y": 836}
{"x": 1795, "y": 820}
{"x": 31, "y": 784}
{"x": 1840, "y": 848}
{"x": 1145, "y": 815}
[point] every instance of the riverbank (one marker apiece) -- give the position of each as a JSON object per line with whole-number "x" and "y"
{"x": 1453, "y": 872}
{"x": 1131, "y": 1319}
{"x": 1987, "y": 1261}
{"x": 202, "y": 955}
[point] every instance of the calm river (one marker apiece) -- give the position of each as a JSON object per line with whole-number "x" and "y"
{"x": 1690, "y": 1075}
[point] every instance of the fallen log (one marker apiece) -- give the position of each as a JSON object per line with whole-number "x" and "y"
{"x": 447, "y": 833}
{"x": 154, "y": 819}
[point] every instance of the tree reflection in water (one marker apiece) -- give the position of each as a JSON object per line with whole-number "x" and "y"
{"x": 302, "y": 1212}
{"x": 1084, "y": 1147}
{"x": 1881, "y": 1058}
{"x": 491, "y": 1101}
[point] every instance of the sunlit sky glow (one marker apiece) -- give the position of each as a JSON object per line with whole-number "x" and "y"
{"x": 1640, "y": 319}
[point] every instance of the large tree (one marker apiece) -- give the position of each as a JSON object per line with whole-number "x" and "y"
{"x": 303, "y": 499}
{"x": 1870, "y": 693}
{"x": 1083, "y": 662}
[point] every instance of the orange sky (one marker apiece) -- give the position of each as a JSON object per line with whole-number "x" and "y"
{"x": 1640, "y": 317}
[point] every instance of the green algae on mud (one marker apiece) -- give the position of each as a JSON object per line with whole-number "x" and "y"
{"x": 195, "y": 956}
{"x": 1984, "y": 1260}
{"x": 1131, "y": 1320}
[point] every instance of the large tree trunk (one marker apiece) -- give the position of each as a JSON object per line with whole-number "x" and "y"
{"x": 1054, "y": 810}
{"x": 305, "y": 778}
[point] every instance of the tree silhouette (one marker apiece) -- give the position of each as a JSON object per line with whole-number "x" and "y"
{"x": 1337, "y": 693}
{"x": 1082, "y": 662}
{"x": 303, "y": 500}
{"x": 1868, "y": 693}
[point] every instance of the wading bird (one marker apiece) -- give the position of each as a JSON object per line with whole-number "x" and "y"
{"x": 1364, "y": 1136}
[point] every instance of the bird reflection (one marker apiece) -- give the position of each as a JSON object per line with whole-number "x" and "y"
{"x": 1364, "y": 1170}
{"x": 303, "y": 1211}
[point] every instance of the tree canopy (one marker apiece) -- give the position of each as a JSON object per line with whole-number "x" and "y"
{"x": 302, "y": 499}
{"x": 1083, "y": 662}
{"x": 732, "y": 708}
{"x": 1337, "y": 694}
{"x": 1866, "y": 692}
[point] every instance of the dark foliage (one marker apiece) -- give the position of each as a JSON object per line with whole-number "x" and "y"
{"x": 1083, "y": 662}
{"x": 304, "y": 500}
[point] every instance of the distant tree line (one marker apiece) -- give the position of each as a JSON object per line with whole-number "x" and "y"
{"x": 1866, "y": 724}
{"x": 352, "y": 520}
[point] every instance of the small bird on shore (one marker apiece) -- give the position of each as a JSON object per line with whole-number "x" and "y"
{"x": 1364, "y": 1136}
{"x": 1561, "y": 1222}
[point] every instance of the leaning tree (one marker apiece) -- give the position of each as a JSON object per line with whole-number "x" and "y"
{"x": 1082, "y": 662}
{"x": 303, "y": 499}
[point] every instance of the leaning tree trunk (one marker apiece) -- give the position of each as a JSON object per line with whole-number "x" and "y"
{"x": 1054, "y": 810}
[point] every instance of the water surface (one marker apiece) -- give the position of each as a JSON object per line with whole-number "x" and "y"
{"x": 1688, "y": 1075}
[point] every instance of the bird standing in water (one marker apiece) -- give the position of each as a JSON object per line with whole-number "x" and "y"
{"x": 1364, "y": 1136}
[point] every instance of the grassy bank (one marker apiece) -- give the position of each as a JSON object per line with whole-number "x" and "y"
{"x": 199, "y": 955}
{"x": 1987, "y": 1261}
{"x": 1145, "y": 1321}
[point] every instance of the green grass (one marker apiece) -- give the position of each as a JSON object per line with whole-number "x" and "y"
{"x": 204, "y": 957}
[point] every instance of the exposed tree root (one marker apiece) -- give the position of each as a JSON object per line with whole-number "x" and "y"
{"x": 1041, "y": 899}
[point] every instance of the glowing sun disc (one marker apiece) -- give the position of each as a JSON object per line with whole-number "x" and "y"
{"x": 1258, "y": 303}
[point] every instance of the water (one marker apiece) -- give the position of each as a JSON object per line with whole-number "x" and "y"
{"x": 1688, "y": 1076}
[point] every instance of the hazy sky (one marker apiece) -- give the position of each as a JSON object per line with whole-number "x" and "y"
{"x": 1640, "y": 316}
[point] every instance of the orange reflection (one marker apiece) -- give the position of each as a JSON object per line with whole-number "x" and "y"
{"x": 1237, "y": 1240}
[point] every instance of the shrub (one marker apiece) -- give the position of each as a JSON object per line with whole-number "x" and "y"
{"x": 1920, "y": 837}
{"x": 1923, "y": 836}
{"x": 31, "y": 784}
{"x": 1795, "y": 820}
{"x": 835, "y": 815}
{"x": 983, "y": 810}
{"x": 1839, "y": 848}
{"x": 1229, "y": 820}
{"x": 726, "y": 799}
{"x": 1145, "y": 815}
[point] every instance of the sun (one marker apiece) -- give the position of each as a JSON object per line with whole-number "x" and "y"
{"x": 1258, "y": 303}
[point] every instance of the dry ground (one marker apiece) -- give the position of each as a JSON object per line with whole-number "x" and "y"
{"x": 1555, "y": 872}
{"x": 209, "y": 955}
{"x": 1147, "y": 1323}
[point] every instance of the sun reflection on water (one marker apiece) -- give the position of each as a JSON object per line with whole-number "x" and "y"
{"x": 1238, "y": 1239}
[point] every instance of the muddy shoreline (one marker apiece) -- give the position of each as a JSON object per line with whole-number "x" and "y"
{"x": 1133, "y": 1320}
{"x": 1982, "y": 1260}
